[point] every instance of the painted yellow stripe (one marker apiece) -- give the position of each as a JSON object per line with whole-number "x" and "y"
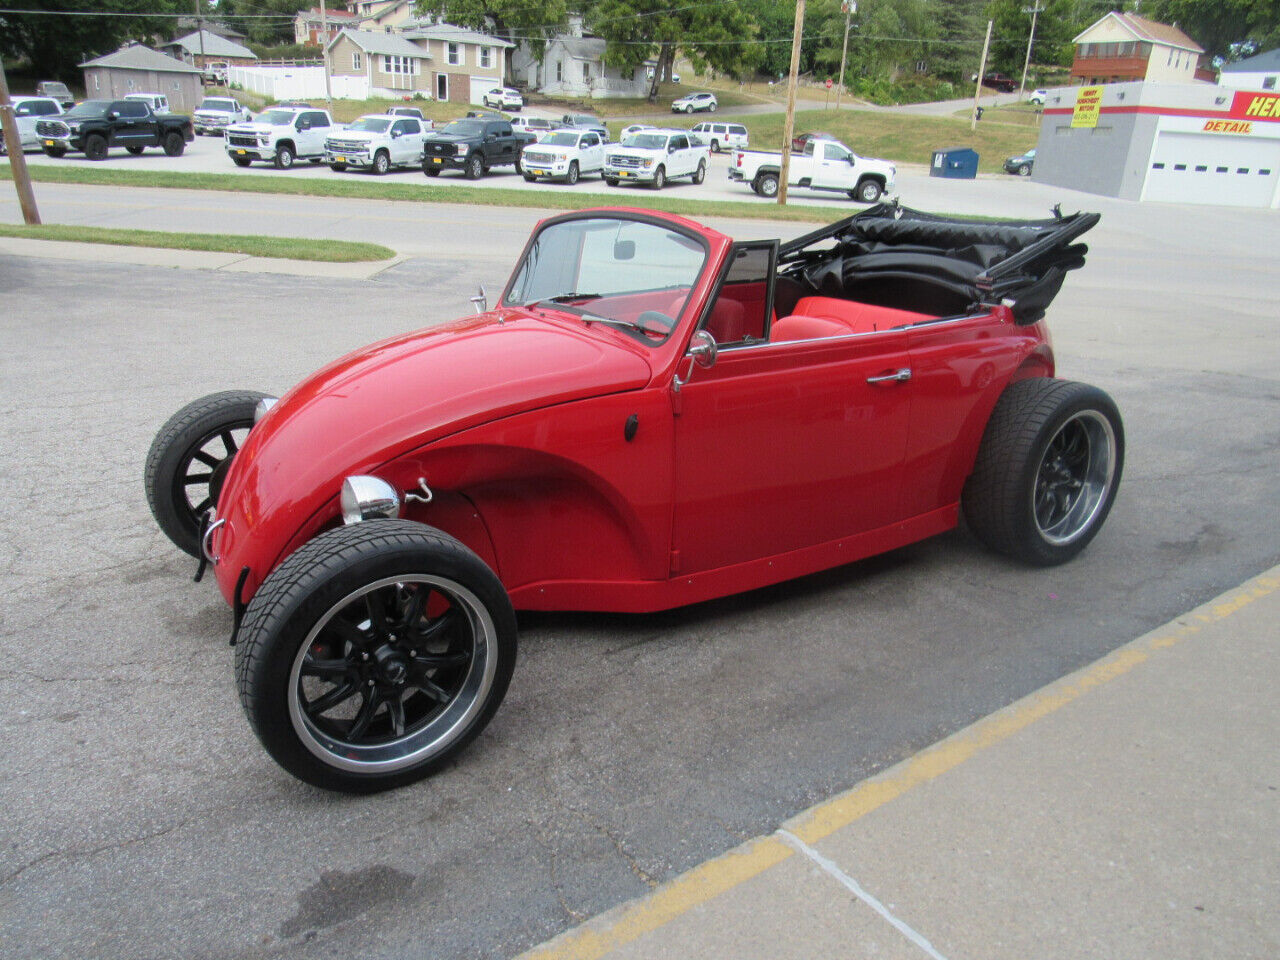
{"x": 628, "y": 923}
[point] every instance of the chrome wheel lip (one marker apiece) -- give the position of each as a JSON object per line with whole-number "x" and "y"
{"x": 437, "y": 735}
{"x": 1094, "y": 485}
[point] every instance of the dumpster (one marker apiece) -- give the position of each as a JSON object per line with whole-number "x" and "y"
{"x": 958, "y": 163}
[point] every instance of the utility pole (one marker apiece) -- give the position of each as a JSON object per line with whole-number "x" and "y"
{"x": 195, "y": 5}
{"x": 1026, "y": 64}
{"x": 789, "y": 126}
{"x": 324, "y": 48}
{"x": 982, "y": 72}
{"x": 849, "y": 8}
{"x": 17, "y": 162}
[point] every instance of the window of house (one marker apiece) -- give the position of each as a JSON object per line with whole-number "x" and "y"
{"x": 454, "y": 54}
{"x": 559, "y": 71}
{"x": 486, "y": 56}
{"x": 1169, "y": 62}
{"x": 355, "y": 61}
{"x": 586, "y": 73}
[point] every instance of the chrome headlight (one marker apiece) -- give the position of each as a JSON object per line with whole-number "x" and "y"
{"x": 265, "y": 404}
{"x": 368, "y": 498}
{"x": 648, "y": 164}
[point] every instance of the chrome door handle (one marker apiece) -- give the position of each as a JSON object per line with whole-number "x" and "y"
{"x": 899, "y": 376}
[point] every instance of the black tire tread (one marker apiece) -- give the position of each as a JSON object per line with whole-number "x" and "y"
{"x": 285, "y": 590}
{"x": 994, "y": 493}
{"x": 180, "y": 423}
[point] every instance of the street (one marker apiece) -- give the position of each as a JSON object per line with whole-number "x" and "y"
{"x": 144, "y": 820}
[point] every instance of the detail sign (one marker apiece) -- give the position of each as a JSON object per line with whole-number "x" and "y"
{"x": 1228, "y": 126}
{"x": 1088, "y": 106}
{"x": 1256, "y": 106}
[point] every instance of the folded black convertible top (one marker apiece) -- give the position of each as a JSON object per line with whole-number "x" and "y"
{"x": 898, "y": 257}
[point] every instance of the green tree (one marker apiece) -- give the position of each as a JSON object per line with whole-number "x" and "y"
{"x": 55, "y": 43}
{"x": 961, "y": 25}
{"x": 1219, "y": 24}
{"x": 710, "y": 35}
{"x": 891, "y": 36}
{"x": 266, "y": 22}
{"x": 1058, "y": 22}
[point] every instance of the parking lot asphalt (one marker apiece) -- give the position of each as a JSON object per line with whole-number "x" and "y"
{"x": 142, "y": 818}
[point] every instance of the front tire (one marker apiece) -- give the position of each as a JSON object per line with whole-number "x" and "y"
{"x": 688, "y": 108}
{"x": 95, "y": 147}
{"x": 431, "y": 171}
{"x": 240, "y": 161}
{"x": 573, "y": 174}
{"x": 337, "y": 167}
{"x": 659, "y": 178}
{"x": 284, "y": 157}
{"x": 381, "y": 163}
{"x": 174, "y": 145}
{"x": 1024, "y": 170}
{"x": 701, "y": 173}
{"x": 134, "y": 149}
{"x": 373, "y": 654}
{"x": 1047, "y": 470}
{"x": 475, "y": 167}
{"x": 189, "y": 459}
{"x": 868, "y": 191}
{"x": 611, "y": 181}
{"x": 55, "y": 152}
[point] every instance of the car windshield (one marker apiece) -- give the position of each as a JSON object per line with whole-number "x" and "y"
{"x": 90, "y": 108}
{"x": 561, "y": 140}
{"x": 55, "y": 89}
{"x": 277, "y": 118}
{"x": 646, "y": 141}
{"x": 225, "y": 106}
{"x": 465, "y": 128}
{"x": 370, "y": 124}
{"x": 625, "y": 273}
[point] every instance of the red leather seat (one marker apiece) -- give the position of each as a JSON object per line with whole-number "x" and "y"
{"x": 858, "y": 317}
{"x": 797, "y": 327}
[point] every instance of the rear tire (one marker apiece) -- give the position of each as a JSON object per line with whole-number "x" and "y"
{"x": 767, "y": 185}
{"x": 373, "y": 654}
{"x": 1047, "y": 471}
{"x": 174, "y": 145}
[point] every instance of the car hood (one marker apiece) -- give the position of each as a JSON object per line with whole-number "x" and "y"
{"x": 383, "y": 401}
{"x": 451, "y": 137}
{"x": 361, "y": 136}
{"x": 256, "y": 128}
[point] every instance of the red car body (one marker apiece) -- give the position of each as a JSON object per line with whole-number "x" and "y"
{"x": 593, "y": 470}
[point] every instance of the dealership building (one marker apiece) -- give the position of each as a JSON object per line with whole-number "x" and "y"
{"x": 1172, "y": 142}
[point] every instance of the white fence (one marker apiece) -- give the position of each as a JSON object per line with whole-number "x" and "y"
{"x": 297, "y": 83}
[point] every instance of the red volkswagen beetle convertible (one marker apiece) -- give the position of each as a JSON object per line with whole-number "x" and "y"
{"x": 652, "y": 415}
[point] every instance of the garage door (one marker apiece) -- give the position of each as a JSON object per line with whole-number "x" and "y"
{"x": 1213, "y": 168}
{"x": 482, "y": 85}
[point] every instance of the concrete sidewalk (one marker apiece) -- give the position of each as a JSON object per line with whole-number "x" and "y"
{"x": 1129, "y": 810}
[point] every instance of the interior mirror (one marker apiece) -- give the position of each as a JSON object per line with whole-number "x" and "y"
{"x": 624, "y": 250}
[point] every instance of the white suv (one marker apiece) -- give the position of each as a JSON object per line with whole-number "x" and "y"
{"x": 654, "y": 157}
{"x": 215, "y": 114}
{"x": 563, "y": 155}
{"x": 378, "y": 141}
{"x": 503, "y": 98}
{"x": 695, "y": 101}
{"x": 280, "y": 135}
{"x": 722, "y": 136}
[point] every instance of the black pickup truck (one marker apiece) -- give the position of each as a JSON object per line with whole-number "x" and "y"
{"x": 97, "y": 125}
{"x": 473, "y": 146}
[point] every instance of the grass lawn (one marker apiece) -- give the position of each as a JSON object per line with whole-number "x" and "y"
{"x": 287, "y": 248}
{"x": 639, "y": 106}
{"x": 422, "y": 191}
{"x": 344, "y": 111}
{"x": 898, "y": 137}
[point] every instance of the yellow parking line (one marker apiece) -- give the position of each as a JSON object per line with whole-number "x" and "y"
{"x": 627, "y": 923}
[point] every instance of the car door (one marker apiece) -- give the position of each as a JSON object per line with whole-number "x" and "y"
{"x": 134, "y": 124}
{"x": 406, "y": 142}
{"x": 679, "y": 152}
{"x": 782, "y": 446}
{"x": 311, "y": 141}
{"x": 833, "y": 169}
{"x": 590, "y": 153}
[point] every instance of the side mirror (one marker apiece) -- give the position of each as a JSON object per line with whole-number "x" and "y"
{"x": 113, "y": 115}
{"x": 490, "y": 137}
{"x": 480, "y": 301}
{"x": 23, "y": 111}
{"x": 395, "y": 134}
{"x": 703, "y": 349}
{"x": 304, "y": 124}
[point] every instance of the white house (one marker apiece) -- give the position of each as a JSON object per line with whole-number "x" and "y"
{"x": 573, "y": 65}
{"x": 1258, "y": 72}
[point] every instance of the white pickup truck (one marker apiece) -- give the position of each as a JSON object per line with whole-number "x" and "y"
{"x": 280, "y": 135}
{"x": 378, "y": 141}
{"x": 654, "y": 157}
{"x": 824, "y": 165}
